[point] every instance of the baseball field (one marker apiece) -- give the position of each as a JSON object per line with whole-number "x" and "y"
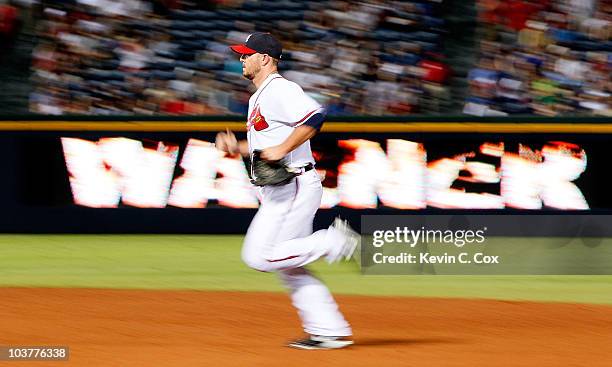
{"x": 151, "y": 300}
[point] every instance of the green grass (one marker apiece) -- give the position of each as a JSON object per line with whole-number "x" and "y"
{"x": 213, "y": 263}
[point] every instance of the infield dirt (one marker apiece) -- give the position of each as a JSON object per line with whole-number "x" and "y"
{"x": 193, "y": 328}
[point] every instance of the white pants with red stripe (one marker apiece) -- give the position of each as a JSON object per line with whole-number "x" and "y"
{"x": 280, "y": 239}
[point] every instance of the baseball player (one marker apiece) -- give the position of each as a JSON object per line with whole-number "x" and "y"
{"x": 281, "y": 120}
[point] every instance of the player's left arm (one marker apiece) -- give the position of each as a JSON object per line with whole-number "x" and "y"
{"x": 299, "y": 136}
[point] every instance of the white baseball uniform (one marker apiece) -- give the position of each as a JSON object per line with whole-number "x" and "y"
{"x": 280, "y": 236}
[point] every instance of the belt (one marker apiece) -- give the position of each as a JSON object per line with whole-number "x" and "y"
{"x": 301, "y": 170}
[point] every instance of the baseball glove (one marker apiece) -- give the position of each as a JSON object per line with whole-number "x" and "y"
{"x": 265, "y": 173}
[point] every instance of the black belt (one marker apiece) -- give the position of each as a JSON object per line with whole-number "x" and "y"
{"x": 304, "y": 169}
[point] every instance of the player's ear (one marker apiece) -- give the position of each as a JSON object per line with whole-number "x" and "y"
{"x": 265, "y": 59}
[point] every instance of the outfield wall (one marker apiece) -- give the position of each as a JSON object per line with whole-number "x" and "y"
{"x": 161, "y": 175}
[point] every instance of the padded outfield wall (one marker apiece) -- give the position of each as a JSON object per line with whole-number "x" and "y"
{"x": 162, "y": 175}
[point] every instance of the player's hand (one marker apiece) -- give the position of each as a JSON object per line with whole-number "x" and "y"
{"x": 226, "y": 141}
{"x": 275, "y": 153}
{"x": 220, "y": 142}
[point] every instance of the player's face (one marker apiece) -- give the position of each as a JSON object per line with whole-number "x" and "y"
{"x": 251, "y": 65}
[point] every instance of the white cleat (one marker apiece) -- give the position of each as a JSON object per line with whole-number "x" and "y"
{"x": 350, "y": 241}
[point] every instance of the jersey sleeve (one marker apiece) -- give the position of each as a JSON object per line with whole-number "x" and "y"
{"x": 291, "y": 106}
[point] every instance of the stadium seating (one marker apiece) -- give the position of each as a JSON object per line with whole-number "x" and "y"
{"x": 191, "y": 44}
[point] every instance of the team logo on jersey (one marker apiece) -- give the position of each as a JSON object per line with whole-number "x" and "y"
{"x": 257, "y": 120}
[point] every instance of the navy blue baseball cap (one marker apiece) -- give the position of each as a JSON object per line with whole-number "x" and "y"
{"x": 260, "y": 42}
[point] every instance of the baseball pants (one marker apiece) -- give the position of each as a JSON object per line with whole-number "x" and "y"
{"x": 280, "y": 239}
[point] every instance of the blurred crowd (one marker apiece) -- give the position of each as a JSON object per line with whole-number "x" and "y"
{"x": 544, "y": 57}
{"x": 370, "y": 57}
{"x": 9, "y": 23}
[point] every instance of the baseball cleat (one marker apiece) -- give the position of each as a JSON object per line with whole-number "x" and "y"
{"x": 318, "y": 342}
{"x": 351, "y": 240}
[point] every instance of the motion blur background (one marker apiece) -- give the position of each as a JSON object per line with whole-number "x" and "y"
{"x": 107, "y": 113}
{"x": 114, "y": 81}
{"x": 374, "y": 58}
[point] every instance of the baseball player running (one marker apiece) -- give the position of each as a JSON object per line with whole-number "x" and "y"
{"x": 281, "y": 120}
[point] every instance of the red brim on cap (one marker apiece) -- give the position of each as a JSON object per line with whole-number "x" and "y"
{"x": 243, "y": 50}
